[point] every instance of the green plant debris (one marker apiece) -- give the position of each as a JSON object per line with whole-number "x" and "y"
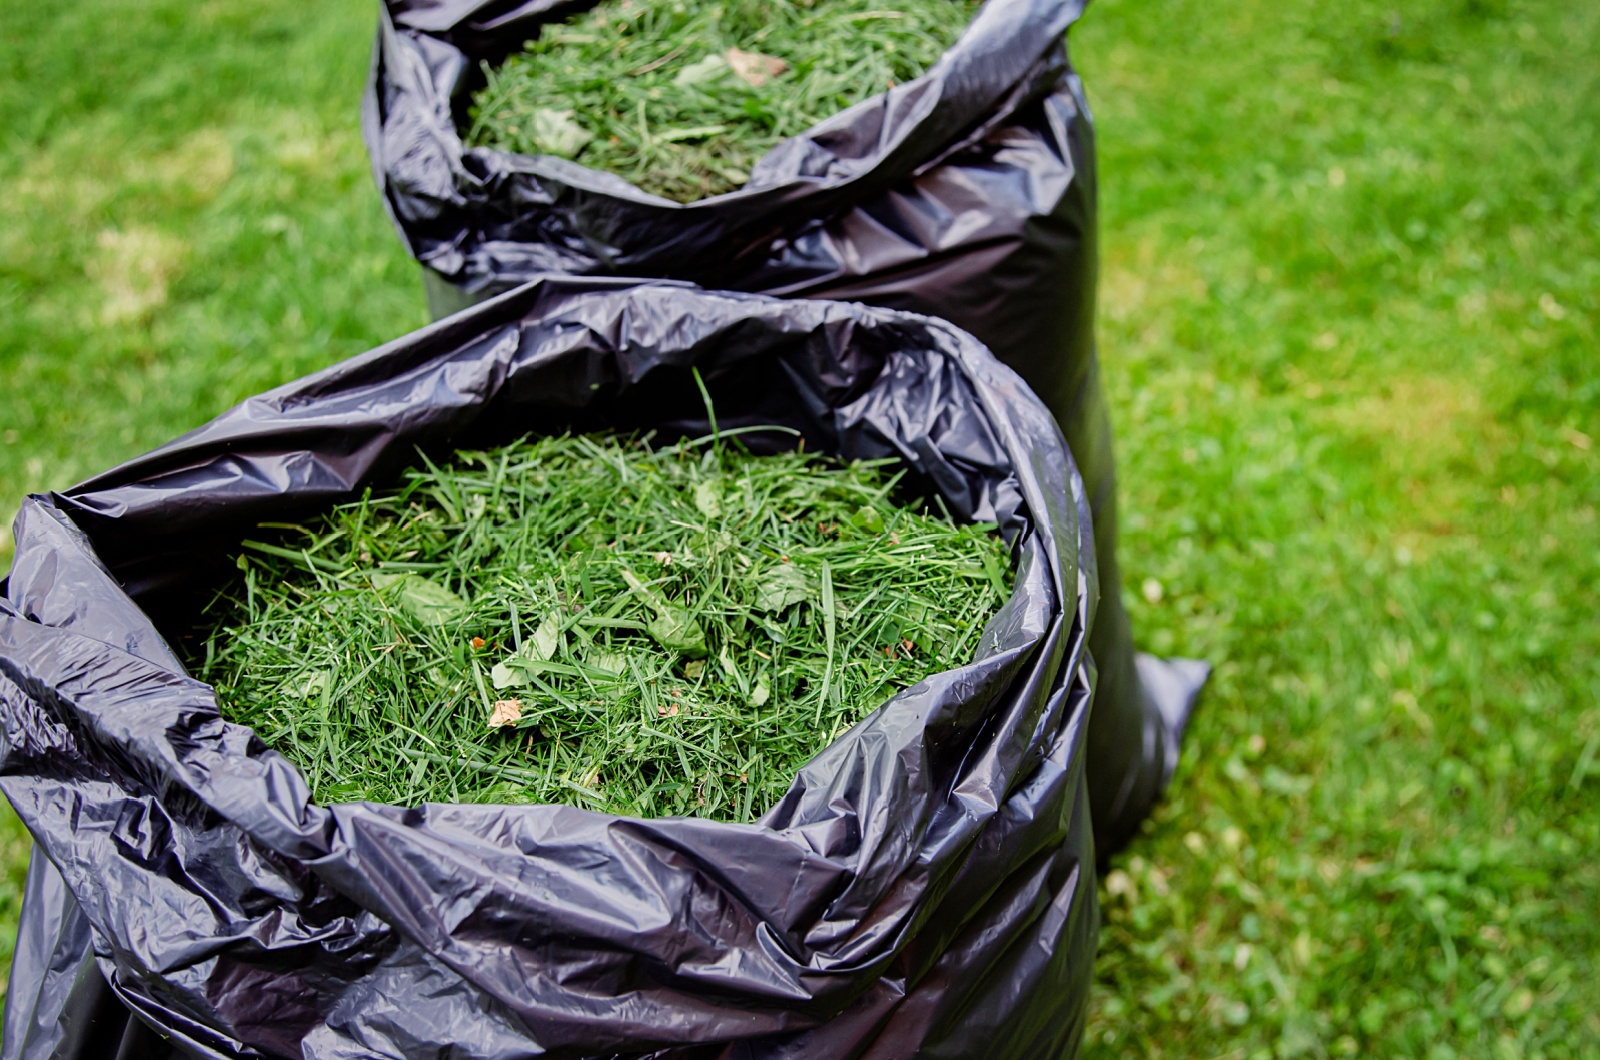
{"x": 684, "y": 98}
{"x": 589, "y": 620}
{"x": 1259, "y": 171}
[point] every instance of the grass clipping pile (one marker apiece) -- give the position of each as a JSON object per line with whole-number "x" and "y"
{"x": 593, "y": 621}
{"x": 683, "y": 98}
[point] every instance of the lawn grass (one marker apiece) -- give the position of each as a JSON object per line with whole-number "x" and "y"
{"x": 1348, "y": 301}
{"x": 1348, "y": 322}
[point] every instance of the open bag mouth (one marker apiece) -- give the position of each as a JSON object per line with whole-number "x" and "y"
{"x": 1008, "y": 53}
{"x": 202, "y": 864}
{"x": 641, "y": 626}
{"x": 487, "y": 218}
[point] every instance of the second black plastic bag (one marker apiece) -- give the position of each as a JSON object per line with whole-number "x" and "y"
{"x": 967, "y": 194}
{"x": 925, "y": 888}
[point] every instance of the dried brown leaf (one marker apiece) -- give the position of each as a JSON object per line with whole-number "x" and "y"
{"x": 755, "y": 68}
{"x": 506, "y": 712}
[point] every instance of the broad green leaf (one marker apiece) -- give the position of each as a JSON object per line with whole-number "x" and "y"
{"x": 762, "y": 692}
{"x": 546, "y": 639}
{"x": 555, "y": 132}
{"x": 424, "y": 600}
{"x": 641, "y": 590}
{"x": 614, "y": 663}
{"x": 707, "y": 500}
{"x": 702, "y": 71}
{"x": 868, "y": 519}
{"x": 676, "y": 630}
{"x": 515, "y": 670}
{"x": 503, "y": 677}
{"x": 780, "y": 587}
{"x": 920, "y": 614}
{"x": 313, "y": 684}
{"x": 673, "y": 627}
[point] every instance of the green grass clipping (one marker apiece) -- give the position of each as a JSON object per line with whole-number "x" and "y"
{"x": 595, "y": 621}
{"x": 683, "y": 99}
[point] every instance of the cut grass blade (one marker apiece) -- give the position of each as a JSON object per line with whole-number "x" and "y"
{"x": 595, "y": 621}
{"x": 683, "y": 98}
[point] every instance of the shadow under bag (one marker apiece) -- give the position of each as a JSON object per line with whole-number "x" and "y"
{"x": 966, "y": 194}
{"x": 925, "y": 888}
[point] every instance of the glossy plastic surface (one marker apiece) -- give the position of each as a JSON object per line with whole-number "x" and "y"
{"x": 925, "y": 888}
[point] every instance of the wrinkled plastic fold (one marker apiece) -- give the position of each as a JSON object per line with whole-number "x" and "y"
{"x": 967, "y": 194}
{"x": 925, "y": 887}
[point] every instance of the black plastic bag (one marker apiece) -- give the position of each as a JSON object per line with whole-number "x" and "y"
{"x": 926, "y": 887}
{"x": 967, "y": 194}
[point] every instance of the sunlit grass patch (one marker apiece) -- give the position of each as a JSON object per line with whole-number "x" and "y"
{"x": 1348, "y": 335}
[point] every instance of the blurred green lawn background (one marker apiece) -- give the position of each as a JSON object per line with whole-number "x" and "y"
{"x": 1350, "y": 288}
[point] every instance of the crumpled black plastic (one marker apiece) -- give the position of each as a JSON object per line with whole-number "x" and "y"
{"x": 925, "y": 888}
{"x": 968, "y": 194}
